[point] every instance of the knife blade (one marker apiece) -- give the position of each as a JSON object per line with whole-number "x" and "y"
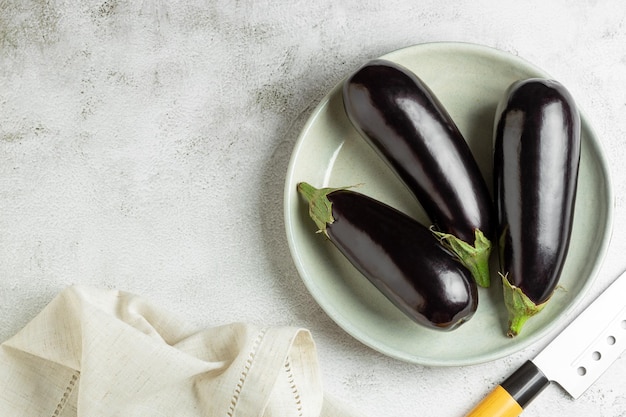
{"x": 575, "y": 359}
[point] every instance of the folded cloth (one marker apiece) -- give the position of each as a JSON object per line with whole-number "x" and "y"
{"x": 99, "y": 353}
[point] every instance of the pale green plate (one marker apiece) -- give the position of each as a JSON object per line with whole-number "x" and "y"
{"x": 469, "y": 80}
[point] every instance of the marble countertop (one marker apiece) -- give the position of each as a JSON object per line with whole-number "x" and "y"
{"x": 144, "y": 147}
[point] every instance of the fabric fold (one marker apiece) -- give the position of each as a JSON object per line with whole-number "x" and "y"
{"x": 95, "y": 352}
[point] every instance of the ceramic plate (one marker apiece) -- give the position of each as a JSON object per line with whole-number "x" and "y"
{"x": 469, "y": 80}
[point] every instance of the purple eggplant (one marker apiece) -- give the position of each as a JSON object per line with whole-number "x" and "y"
{"x": 397, "y": 254}
{"x": 407, "y": 125}
{"x": 536, "y": 160}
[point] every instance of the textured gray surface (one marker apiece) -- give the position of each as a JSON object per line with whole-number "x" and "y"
{"x": 143, "y": 146}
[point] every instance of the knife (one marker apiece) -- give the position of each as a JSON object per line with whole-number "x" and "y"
{"x": 575, "y": 359}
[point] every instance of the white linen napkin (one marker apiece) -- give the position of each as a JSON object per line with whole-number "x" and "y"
{"x": 99, "y": 353}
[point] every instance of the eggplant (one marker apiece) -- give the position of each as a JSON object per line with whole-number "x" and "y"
{"x": 403, "y": 120}
{"x": 536, "y": 161}
{"x": 397, "y": 254}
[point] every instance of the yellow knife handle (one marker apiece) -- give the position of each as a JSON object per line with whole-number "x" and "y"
{"x": 511, "y": 397}
{"x": 499, "y": 403}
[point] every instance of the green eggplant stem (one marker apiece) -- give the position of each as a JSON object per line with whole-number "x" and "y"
{"x": 520, "y": 308}
{"x": 475, "y": 258}
{"x": 320, "y": 207}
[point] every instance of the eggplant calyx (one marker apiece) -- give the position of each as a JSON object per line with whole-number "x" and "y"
{"x": 320, "y": 207}
{"x": 519, "y": 306}
{"x": 475, "y": 258}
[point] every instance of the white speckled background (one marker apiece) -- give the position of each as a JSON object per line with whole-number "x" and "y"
{"x": 144, "y": 145}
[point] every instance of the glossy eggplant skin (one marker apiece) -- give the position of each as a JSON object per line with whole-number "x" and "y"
{"x": 397, "y": 254}
{"x": 403, "y": 120}
{"x": 536, "y": 162}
